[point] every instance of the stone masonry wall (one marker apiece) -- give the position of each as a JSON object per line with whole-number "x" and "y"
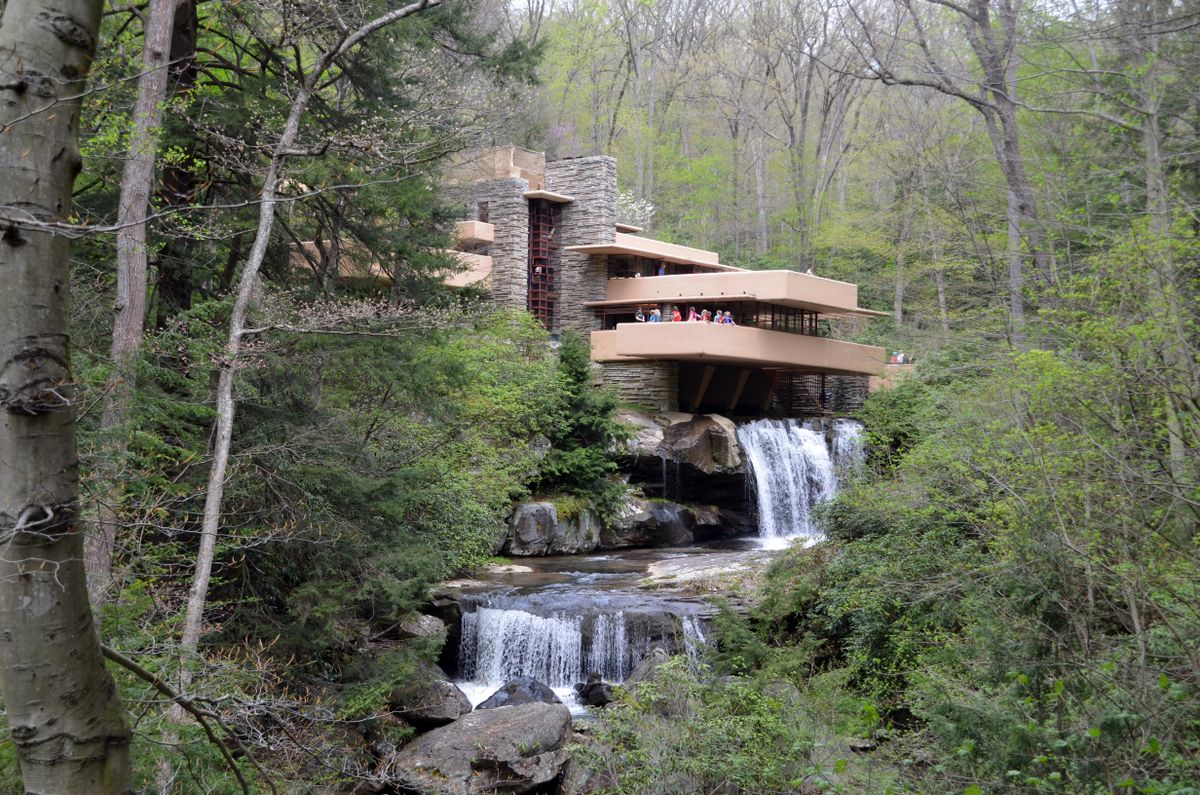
{"x": 651, "y": 384}
{"x": 508, "y": 211}
{"x": 592, "y": 182}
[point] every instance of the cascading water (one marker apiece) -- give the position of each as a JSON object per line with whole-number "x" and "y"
{"x": 561, "y": 648}
{"x": 849, "y": 451}
{"x": 506, "y": 644}
{"x": 794, "y": 471}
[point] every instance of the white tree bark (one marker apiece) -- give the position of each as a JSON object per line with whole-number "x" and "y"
{"x": 62, "y": 708}
{"x": 137, "y": 180}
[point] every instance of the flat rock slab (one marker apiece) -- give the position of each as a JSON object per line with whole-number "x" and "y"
{"x": 711, "y": 572}
{"x": 508, "y": 568}
{"x": 510, "y": 749}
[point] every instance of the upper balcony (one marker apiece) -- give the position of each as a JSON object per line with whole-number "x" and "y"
{"x": 630, "y": 245}
{"x": 782, "y": 288}
{"x": 741, "y": 346}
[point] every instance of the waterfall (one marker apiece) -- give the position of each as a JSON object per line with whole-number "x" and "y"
{"x": 505, "y": 644}
{"x": 610, "y": 647}
{"x": 562, "y": 648}
{"x": 793, "y": 473}
{"x": 795, "y": 470}
{"x": 694, "y": 641}
{"x": 849, "y": 452}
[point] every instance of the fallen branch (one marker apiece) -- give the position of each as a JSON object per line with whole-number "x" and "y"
{"x": 202, "y": 716}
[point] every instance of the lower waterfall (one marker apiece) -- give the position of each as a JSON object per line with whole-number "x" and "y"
{"x": 560, "y": 648}
{"x": 796, "y": 468}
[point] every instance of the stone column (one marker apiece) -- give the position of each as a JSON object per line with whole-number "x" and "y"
{"x": 592, "y": 182}
{"x": 508, "y": 211}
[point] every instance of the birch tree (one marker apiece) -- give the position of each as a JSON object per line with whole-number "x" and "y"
{"x": 63, "y": 712}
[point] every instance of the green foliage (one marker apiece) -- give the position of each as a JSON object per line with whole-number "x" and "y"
{"x": 676, "y": 733}
{"x": 1006, "y": 590}
{"x": 581, "y": 460}
{"x": 396, "y": 459}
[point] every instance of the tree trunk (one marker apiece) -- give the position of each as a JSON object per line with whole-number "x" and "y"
{"x": 129, "y": 323}
{"x": 62, "y": 709}
{"x": 798, "y": 144}
{"x": 901, "y": 251}
{"x": 1178, "y": 350}
{"x": 174, "y": 285}
{"x": 939, "y": 279}
{"x": 935, "y": 256}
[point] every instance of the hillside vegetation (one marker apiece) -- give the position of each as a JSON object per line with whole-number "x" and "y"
{"x": 1008, "y": 598}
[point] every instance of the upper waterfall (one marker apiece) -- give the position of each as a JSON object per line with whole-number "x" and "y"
{"x": 795, "y": 470}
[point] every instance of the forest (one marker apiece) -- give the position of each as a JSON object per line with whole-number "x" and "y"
{"x": 228, "y": 474}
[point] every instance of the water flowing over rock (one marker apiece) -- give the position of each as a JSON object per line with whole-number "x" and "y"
{"x": 510, "y": 749}
{"x": 794, "y": 470}
{"x": 565, "y": 647}
{"x": 849, "y": 448}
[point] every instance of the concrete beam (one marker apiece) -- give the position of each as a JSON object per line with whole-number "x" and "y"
{"x": 705, "y": 380}
{"x": 743, "y": 376}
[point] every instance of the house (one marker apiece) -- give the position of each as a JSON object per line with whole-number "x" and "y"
{"x": 544, "y": 236}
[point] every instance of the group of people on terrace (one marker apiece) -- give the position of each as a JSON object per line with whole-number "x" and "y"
{"x": 722, "y": 317}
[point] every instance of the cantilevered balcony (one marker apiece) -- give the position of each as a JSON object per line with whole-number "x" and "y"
{"x": 472, "y": 233}
{"x": 629, "y": 245}
{"x": 739, "y": 346}
{"x": 783, "y": 288}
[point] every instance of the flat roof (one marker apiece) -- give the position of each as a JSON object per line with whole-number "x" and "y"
{"x": 630, "y": 228}
{"x": 683, "y": 299}
{"x": 634, "y": 246}
{"x": 549, "y": 196}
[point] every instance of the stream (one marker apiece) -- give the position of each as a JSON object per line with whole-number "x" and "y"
{"x": 560, "y": 619}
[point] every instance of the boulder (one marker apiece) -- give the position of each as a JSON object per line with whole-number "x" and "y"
{"x": 649, "y": 523}
{"x": 645, "y": 433}
{"x": 522, "y": 690}
{"x": 512, "y": 749}
{"x": 429, "y": 700}
{"x": 536, "y": 529}
{"x": 419, "y": 625}
{"x": 707, "y": 443}
{"x": 595, "y": 692}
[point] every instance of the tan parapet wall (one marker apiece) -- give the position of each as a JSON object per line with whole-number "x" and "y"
{"x": 786, "y": 288}
{"x": 738, "y": 345}
{"x": 502, "y": 162}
